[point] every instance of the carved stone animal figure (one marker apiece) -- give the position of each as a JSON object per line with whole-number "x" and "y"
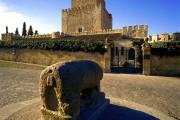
{"x": 64, "y": 88}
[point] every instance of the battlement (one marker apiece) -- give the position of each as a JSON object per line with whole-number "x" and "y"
{"x": 44, "y": 36}
{"x": 78, "y": 9}
{"x": 136, "y": 31}
{"x": 135, "y": 28}
{"x": 9, "y": 37}
{"x": 104, "y": 31}
{"x": 82, "y": 3}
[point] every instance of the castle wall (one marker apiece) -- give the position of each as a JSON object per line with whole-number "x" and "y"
{"x": 130, "y": 31}
{"x": 12, "y": 37}
{"x": 85, "y": 18}
{"x": 165, "y": 65}
{"x": 8, "y": 37}
{"x": 46, "y": 57}
{"x": 106, "y": 20}
{"x": 137, "y": 31}
{"x": 159, "y": 64}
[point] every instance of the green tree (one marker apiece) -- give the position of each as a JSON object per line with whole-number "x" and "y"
{"x": 24, "y": 31}
{"x": 36, "y": 32}
{"x": 17, "y": 31}
{"x": 6, "y": 29}
{"x": 30, "y": 31}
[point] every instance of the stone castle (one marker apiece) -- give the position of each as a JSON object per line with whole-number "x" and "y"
{"x": 86, "y": 15}
{"x": 89, "y": 17}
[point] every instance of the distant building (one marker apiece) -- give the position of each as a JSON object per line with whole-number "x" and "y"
{"x": 165, "y": 37}
{"x": 155, "y": 38}
{"x": 176, "y": 36}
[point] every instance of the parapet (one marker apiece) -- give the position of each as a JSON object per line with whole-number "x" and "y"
{"x": 37, "y": 36}
{"x": 78, "y": 9}
{"x": 99, "y": 32}
{"x": 136, "y": 31}
{"x": 136, "y": 27}
{"x": 55, "y": 35}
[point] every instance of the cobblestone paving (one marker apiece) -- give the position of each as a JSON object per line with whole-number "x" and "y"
{"x": 161, "y": 93}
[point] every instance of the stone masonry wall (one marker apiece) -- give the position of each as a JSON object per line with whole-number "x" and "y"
{"x": 165, "y": 65}
{"x": 44, "y": 57}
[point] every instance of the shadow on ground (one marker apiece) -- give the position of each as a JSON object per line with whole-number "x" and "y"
{"x": 114, "y": 112}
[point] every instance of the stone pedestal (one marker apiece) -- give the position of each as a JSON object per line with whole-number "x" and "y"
{"x": 88, "y": 111}
{"x": 107, "y": 61}
{"x": 71, "y": 91}
{"x": 52, "y": 115}
{"x": 146, "y": 59}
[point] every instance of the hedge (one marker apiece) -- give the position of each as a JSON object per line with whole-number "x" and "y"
{"x": 63, "y": 45}
{"x": 171, "y": 48}
{"x": 170, "y": 44}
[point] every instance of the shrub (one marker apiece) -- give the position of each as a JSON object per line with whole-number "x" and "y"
{"x": 166, "y": 48}
{"x": 170, "y": 44}
{"x": 138, "y": 42}
{"x": 63, "y": 45}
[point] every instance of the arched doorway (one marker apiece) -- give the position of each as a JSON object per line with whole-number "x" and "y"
{"x": 131, "y": 54}
{"x": 123, "y": 58}
{"x": 80, "y": 30}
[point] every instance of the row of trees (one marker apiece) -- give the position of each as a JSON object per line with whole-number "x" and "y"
{"x": 30, "y": 30}
{"x": 24, "y": 31}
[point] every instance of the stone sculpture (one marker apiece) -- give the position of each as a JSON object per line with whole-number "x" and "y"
{"x": 67, "y": 88}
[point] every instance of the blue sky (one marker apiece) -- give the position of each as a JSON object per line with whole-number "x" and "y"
{"x": 45, "y": 15}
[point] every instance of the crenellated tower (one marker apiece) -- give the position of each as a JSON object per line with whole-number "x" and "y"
{"x": 81, "y": 3}
{"x": 86, "y": 15}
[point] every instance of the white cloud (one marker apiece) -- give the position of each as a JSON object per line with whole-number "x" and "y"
{"x": 13, "y": 19}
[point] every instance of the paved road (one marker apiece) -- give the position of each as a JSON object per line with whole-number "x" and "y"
{"x": 18, "y": 85}
{"x": 161, "y": 93}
